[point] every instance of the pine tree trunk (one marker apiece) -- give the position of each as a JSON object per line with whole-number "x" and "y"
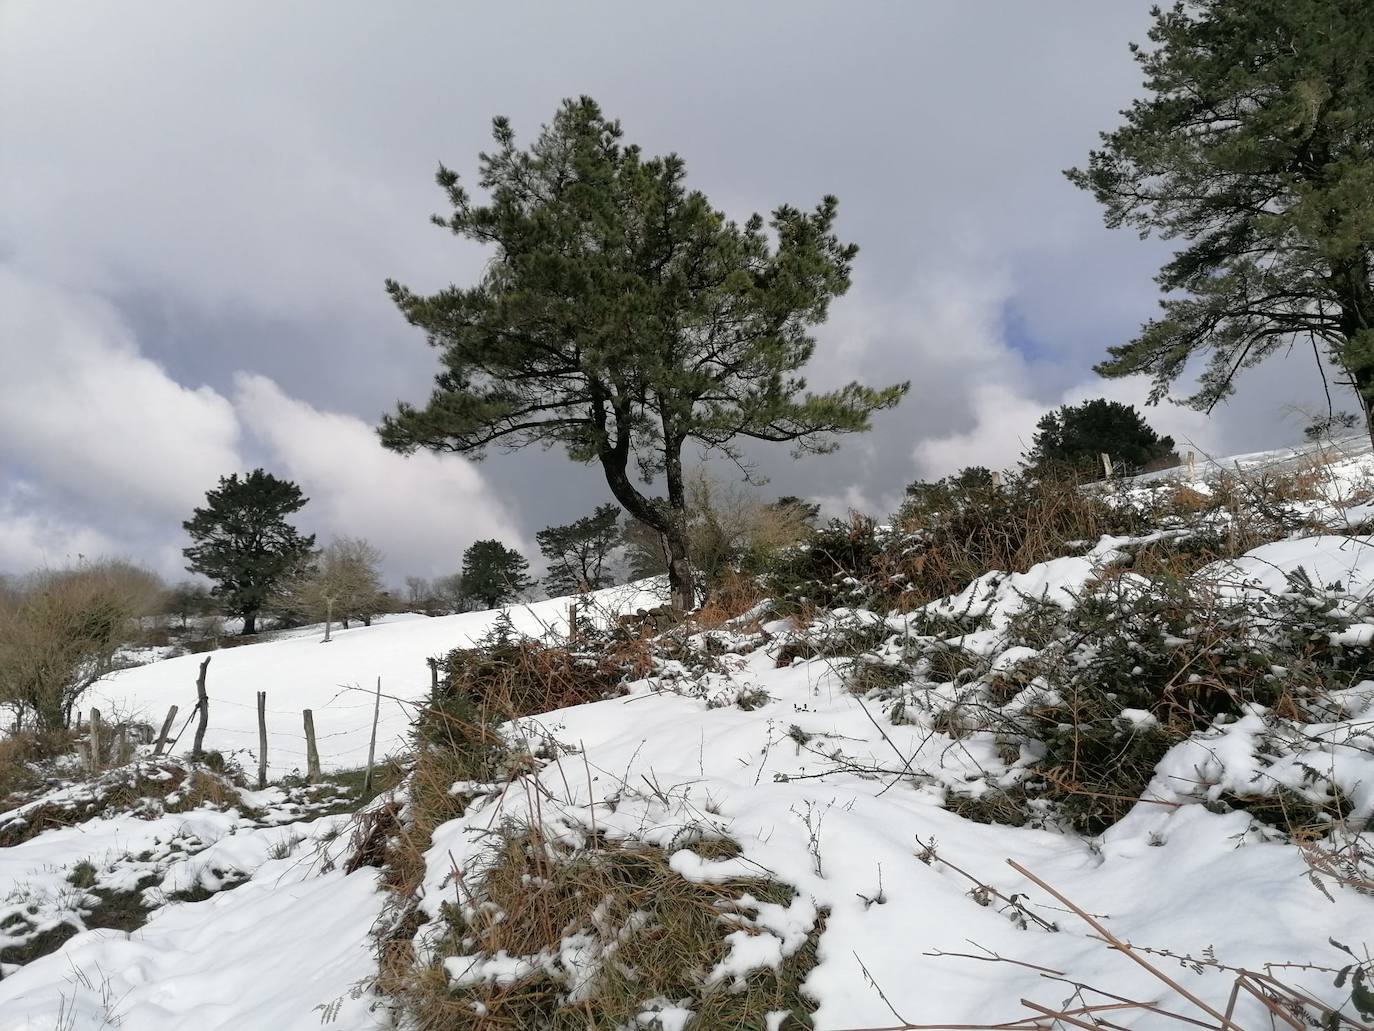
{"x": 250, "y": 624}
{"x": 681, "y": 582}
{"x": 682, "y": 589}
{"x": 1356, "y": 301}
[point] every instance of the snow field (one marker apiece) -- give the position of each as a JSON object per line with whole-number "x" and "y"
{"x": 336, "y": 681}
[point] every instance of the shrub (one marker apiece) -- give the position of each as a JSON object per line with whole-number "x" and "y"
{"x": 958, "y": 528}
{"x": 1138, "y": 666}
{"x": 61, "y": 631}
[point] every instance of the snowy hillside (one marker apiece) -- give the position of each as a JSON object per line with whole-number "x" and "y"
{"x": 1126, "y": 787}
{"x": 335, "y": 680}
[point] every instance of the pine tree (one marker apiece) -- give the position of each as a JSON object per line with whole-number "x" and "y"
{"x": 621, "y": 317}
{"x": 494, "y": 574}
{"x": 577, "y": 552}
{"x": 1073, "y": 439}
{"x": 243, "y": 543}
{"x": 1255, "y": 145}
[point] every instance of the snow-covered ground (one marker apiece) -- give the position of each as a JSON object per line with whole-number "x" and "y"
{"x": 824, "y": 793}
{"x": 823, "y": 789}
{"x": 335, "y": 680}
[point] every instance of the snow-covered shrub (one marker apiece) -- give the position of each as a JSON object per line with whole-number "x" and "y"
{"x": 956, "y": 529}
{"x": 843, "y": 563}
{"x": 1101, "y": 690}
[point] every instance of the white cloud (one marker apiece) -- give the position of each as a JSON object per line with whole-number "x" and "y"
{"x": 104, "y": 453}
{"x": 33, "y": 538}
{"x": 421, "y": 511}
{"x": 102, "y": 422}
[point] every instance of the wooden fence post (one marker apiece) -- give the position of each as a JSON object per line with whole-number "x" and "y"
{"x": 312, "y": 754}
{"x": 262, "y": 740}
{"x": 163, "y": 739}
{"x": 1192, "y": 466}
{"x": 433, "y": 678}
{"x": 203, "y": 704}
{"x": 1107, "y": 464}
{"x": 121, "y": 744}
{"x": 572, "y": 623}
{"x": 372, "y": 742}
{"x": 95, "y": 740}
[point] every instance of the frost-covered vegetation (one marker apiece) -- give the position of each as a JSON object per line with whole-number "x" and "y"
{"x": 793, "y": 807}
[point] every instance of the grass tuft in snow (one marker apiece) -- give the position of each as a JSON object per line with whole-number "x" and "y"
{"x": 606, "y": 935}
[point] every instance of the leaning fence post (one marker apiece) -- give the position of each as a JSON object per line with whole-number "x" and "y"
{"x": 163, "y": 737}
{"x": 372, "y": 742}
{"x": 312, "y": 754}
{"x": 1107, "y": 464}
{"x": 95, "y": 740}
{"x": 203, "y": 704}
{"x": 262, "y": 740}
{"x": 1192, "y": 466}
{"x": 433, "y": 664}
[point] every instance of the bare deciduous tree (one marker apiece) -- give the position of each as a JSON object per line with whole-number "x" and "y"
{"x": 60, "y": 632}
{"x": 343, "y": 582}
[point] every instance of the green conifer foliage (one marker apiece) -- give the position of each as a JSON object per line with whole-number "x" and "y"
{"x": 620, "y": 316}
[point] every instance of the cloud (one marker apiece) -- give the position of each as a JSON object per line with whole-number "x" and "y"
{"x": 102, "y": 423}
{"x": 235, "y": 222}
{"x": 103, "y": 452}
{"x": 31, "y": 537}
{"x": 422, "y": 511}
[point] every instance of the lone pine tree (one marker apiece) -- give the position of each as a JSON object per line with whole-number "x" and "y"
{"x": 620, "y": 316}
{"x": 1255, "y": 145}
{"x": 577, "y": 552}
{"x": 1072, "y": 439}
{"x": 242, "y": 541}
{"x": 494, "y": 574}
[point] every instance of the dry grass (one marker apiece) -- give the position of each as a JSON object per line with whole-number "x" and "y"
{"x": 21, "y": 757}
{"x": 659, "y": 936}
{"x": 963, "y": 527}
{"x": 206, "y": 788}
{"x": 732, "y": 596}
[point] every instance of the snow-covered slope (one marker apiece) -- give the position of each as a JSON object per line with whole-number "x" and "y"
{"x": 335, "y": 680}
{"x": 850, "y": 797}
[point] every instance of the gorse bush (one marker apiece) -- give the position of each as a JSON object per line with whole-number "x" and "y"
{"x": 1135, "y": 667}
{"x": 960, "y": 527}
{"x": 947, "y": 533}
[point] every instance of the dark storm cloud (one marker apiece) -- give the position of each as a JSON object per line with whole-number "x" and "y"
{"x": 226, "y": 186}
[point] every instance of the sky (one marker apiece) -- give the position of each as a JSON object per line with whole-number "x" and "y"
{"x": 199, "y": 204}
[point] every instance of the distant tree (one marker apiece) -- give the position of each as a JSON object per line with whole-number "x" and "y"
{"x": 727, "y": 527}
{"x": 494, "y": 574}
{"x": 186, "y": 600}
{"x": 1254, "y": 144}
{"x": 418, "y": 591}
{"x": 578, "y": 552}
{"x": 343, "y": 582}
{"x": 646, "y": 550}
{"x": 243, "y": 543}
{"x": 1073, "y": 439}
{"x": 449, "y": 594}
{"x": 806, "y": 512}
{"x": 61, "y": 631}
{"x": 620, "y": 316}
{"x": 1327, "y": 426}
